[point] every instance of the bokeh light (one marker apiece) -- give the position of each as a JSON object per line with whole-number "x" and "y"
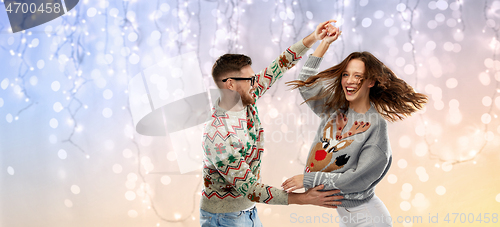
{"x": 69, "y": 145}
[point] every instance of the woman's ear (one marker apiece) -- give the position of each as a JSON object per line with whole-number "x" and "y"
{"x": 372, "y": 83}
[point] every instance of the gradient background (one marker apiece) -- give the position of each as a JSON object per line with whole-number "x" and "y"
{"x": 70, "y": 156}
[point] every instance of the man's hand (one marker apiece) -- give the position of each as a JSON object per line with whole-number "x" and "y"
{"x": 293, "y": 183}
{"x": 318, "y": 34}
{"x": 315, "y": 197}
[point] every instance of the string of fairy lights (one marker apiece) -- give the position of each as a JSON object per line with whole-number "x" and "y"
{"x": 408, "y": 15}
{"x": 496, "y": 30}
{"x": 409, "y": 20}
{"x": 20, "y": 79}
{"x": 72, "y": 37}
{"x": 128, "y": 23}
{"x": 288, "y": 22}
{"x": 473, "y": 154}
{"x": 285, "y": 15}
{"x": 175, "y": 47}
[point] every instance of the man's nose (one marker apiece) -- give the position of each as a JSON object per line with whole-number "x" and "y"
{"x": 255, "y": 84}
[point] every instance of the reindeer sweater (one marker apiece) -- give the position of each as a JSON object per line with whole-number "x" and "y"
{"x": 351, "y": 151}
{"x": 233, "y": 144}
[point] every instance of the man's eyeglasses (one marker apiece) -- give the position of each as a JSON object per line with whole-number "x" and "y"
{"x": 252, "y": 79}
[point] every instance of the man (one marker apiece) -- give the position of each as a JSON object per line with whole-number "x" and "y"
{"x": 233, "y": 141}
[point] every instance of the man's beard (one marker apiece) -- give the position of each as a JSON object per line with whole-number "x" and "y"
{"x": 246, "y": 98}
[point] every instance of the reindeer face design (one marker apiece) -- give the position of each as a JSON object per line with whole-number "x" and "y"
{"x": 323, "y": 152}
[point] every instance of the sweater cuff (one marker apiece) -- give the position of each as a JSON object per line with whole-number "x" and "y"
{"x": 313, "y": 62}
{"x": 280, "y": 197}
{"x": 299, "y": 48}
{"x": 309, "y": 179}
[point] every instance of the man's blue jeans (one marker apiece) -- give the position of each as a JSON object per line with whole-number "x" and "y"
{"x": 234, "y": 219}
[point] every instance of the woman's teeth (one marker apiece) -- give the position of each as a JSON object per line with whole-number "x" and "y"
{"x": 351, "y": 90}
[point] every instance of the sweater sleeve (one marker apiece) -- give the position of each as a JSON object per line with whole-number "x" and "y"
{"x": 371, "y": 165}
{"x": 229, "y": 160}
{"x": 310, "y": 68}
{"x": 289, "y": 58}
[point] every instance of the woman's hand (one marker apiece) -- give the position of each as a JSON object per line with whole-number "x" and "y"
{"x": 332, "y": 33}
{"x": 321, "y": 30}
{"x": 319, "y": 33}
{"x": 293, "y": 183}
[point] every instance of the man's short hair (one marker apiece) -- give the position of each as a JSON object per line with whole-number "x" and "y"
{"x": 229, "y": 63}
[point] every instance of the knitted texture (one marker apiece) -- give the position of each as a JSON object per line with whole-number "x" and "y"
{"x": 351, "y": 151}
{"x": 233, "y": 144}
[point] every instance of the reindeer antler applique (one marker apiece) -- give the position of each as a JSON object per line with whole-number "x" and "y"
{"x": 340, "y": 121}
{"x": 357, "y": 127}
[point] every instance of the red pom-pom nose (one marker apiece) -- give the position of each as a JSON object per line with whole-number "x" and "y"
{"x": 320, "y": 155}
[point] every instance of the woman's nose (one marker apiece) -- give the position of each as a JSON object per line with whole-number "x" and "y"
{"x": 351, "y": 79}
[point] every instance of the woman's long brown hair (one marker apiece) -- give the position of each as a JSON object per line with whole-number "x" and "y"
{"x": 392, "y": 97}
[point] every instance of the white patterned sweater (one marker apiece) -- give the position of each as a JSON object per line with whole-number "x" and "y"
{"x": 233, "y": 144}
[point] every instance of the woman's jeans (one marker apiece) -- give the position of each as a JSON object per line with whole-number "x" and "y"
{"x": 370, "y": 214}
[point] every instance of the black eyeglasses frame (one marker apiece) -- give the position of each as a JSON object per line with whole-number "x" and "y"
{"x": 252, "y": 79}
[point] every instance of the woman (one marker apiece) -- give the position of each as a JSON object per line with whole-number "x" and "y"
{"x": 351, "y": 151}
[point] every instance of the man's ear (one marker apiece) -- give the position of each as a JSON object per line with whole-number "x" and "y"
{"x": 230, "y": 84}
